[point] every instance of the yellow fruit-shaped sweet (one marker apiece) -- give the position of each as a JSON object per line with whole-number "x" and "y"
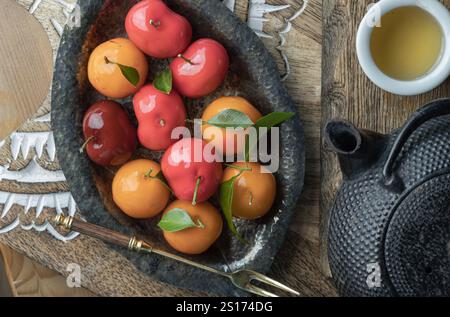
{"x": 254, "y": 190}
{"x": 105, "y": 74}
{"x": 195, "y": 240}
{"x": 137, "y": 191}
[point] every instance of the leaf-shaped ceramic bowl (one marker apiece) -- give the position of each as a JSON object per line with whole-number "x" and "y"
{"x": 253, "y": 75}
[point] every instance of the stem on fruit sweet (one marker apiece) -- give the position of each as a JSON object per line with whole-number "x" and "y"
{"x": 162, "y": 122}
{"x": 89, "y": 139}
{"x": 250, "y": 200}
{"x": 155, "y": 24}
{"x": 108, "y": 61}
{"x": 200, "y": 224}
{"x": 148, "y": 174}
{"x": 187, "y": 60}
{"x": 197, "y": 185}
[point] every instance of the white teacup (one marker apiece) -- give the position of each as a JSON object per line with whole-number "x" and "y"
{"x": 433, "y": 78}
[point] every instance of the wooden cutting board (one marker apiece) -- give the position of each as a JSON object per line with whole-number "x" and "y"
{"x": 26, "y": 66}
{"x": 348, "y": 94}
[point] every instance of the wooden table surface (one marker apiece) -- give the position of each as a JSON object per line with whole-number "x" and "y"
{"x": 105, "y": 272}
{"x": 341, "y": 90}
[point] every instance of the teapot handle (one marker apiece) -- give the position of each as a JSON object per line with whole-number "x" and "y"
{"x": 437, "y": 108}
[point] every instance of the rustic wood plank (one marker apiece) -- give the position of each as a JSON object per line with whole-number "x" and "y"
{"x": 303, "y": 50}
{"x": 348, "y": 94}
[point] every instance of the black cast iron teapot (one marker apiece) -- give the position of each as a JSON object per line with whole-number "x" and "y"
{"x": 389, "y": 231}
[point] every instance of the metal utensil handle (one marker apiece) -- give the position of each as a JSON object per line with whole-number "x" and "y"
{"x": 437, "y": 108}
{"x": 130, "y": 242}
{"x": 94, "y": 231}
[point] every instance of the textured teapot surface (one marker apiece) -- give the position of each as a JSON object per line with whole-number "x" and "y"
{"x": 391, "y": 236}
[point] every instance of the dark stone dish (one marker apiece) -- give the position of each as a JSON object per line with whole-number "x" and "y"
{"x": 253, "y": 75}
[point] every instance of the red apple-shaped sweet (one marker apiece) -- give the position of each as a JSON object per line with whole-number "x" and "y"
{"x": 193, "y": 176}
{"x": 110, "y": 137}
{"x": 201, "y": 69}
{"x": 157, "y": 30}
{"x": 158, "y": 114}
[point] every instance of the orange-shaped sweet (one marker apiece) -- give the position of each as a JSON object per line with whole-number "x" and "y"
{"x": 218, "y": 136}
{"x": 254, "y": 191}
{"x": 137, "y": 191}
{"x": 105, "y": 74}
{"x": 195, "y": 240}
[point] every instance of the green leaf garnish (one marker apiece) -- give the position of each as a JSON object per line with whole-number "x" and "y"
{"x": 230, "y": 118}
{"x": 273, "y": 119}
{"x": 178, "y": 219}
{"x": 239, "y": 168}
{"x": 130, "y": 73}
{"x": 226, "y": 202}
{"x": 163, "y": 81}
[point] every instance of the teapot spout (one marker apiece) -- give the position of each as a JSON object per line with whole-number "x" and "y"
{"x": 357, "y": 149}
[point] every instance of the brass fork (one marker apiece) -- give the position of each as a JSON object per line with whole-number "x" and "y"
{"x": 242, "y": 279}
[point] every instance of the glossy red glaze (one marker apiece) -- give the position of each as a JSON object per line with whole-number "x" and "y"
{"x": 158, "y": 114}
{"x": 169, "y": 34}
{"x": 205, "y": 72}
{"x": 113, "y": 135}
{"x": 181, "y": 168}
